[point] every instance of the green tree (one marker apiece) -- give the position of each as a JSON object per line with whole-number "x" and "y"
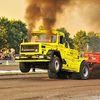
{"x": 14, "y": 31}
{"x": 94, "y": 41}
{"x": 68, "y": 39}
{"x": 98, "y": 34}
{"x": 4, "y": 24}
{"x": 80, "y": 41}
{"x": 19, "y": 32}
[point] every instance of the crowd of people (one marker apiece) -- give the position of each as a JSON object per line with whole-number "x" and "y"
{"x": 6, "y": 56}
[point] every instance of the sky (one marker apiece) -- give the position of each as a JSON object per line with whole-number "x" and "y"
{"x": 15, "y": 9}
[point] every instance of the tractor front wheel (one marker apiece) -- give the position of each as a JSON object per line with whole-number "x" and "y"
{"x": 24, "y": 67}
{"x": 54, "y": 65}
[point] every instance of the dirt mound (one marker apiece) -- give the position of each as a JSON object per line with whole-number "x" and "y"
{"x": 95, "y": 73}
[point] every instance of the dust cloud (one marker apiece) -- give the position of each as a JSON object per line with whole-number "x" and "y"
{"x": 90, "y": 12}
{"x": 47, "y": 10}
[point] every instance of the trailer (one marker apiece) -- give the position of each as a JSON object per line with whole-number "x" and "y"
{"x": 93, "y": 58}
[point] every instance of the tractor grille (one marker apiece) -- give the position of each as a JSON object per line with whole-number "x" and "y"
{"x": 30, "y": 48}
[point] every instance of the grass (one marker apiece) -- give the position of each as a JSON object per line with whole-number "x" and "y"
{"x": 19, "y": 73}
{"x": 9, "y": 64}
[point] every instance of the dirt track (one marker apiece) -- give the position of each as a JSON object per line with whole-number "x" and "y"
{"x": 9, "y": 67}
{"x": 40, "y": 87}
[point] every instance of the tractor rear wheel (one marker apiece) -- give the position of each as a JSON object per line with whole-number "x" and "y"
{"x": 84, "y": 72}
{"x": 52, "y": 75}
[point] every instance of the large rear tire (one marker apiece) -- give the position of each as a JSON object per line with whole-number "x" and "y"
{"x": 59, "y": 75}
{"x": 84, "y": 72}
{"x": 52, "y": 75}
{"x": 54, "y": 65}
{"x": 24, "y": 67}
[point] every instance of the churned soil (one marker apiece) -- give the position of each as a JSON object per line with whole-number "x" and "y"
{"x": 40, "y": 87}
{"x": 95, "y": 73}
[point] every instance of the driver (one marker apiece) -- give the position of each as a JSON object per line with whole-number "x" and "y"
{"x": 34, "y": 38}
{"x": 54, "y": 39}
{"x": 43, "y": 38}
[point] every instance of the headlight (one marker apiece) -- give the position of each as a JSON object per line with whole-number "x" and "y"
{"x": 42, "y": 56}
{"x": 17, "y": 57}
{"x": 36, "y": 50}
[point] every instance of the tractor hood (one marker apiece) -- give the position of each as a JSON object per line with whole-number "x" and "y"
{"x": 35, "y": 48}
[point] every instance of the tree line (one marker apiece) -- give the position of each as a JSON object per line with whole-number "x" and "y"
{"x": 87, "y": 42}
{"x": 12, "y": 33}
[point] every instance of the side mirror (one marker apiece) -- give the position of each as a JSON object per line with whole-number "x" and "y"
{"x": 67, "y": 44}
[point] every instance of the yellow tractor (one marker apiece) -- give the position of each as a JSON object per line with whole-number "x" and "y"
{"x": 46, "y": 50}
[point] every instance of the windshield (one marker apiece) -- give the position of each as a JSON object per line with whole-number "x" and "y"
{"x": 41, "y": 37}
